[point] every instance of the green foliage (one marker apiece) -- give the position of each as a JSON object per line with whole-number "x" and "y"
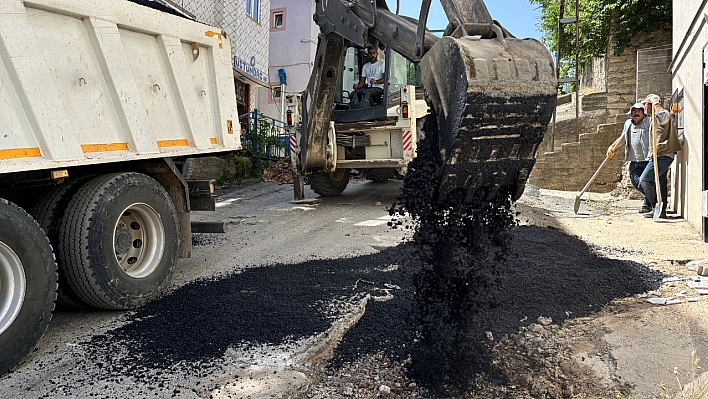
{"x": 566, "y": 69}
{"x": 243, "y": 170}
{"x": 261, "y": 141}
{"x": 635, "y": 18}
{"x": 224, "y": 179}
{"x": 642, "y": 17}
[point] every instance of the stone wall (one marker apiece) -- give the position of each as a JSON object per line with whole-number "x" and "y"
{"x": 572, "y": 167}
{"x": 622, "y": 72}
{"x": 593, "y": 78}
{"x": 592, "y": 113}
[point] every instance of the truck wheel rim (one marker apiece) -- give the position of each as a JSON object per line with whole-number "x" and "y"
{"x": 12, "y": 286}
{"x": 139, "y": 240}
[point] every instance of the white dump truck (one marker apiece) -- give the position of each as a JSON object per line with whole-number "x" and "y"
{"x": 102, "y": 102}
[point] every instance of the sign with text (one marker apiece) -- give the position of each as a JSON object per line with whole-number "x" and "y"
{"x": 251, "y": 70}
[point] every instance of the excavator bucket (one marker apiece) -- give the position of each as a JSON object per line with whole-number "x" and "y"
{"x": 494, "y": 98}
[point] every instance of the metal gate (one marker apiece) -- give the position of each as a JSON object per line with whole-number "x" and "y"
{"x": 263, "y": 136}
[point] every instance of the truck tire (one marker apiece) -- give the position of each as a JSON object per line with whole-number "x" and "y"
{"x": 119, "y": 240}
{"x": 48, "y": 212}
{"x": 379, "y": 174}
{"x": 329, "y": 184}
{"x": 28, "y": 283}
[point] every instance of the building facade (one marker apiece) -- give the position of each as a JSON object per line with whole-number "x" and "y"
{"x": 293, "y": 44}
{"x": 689, "y": 81}
{"x": 246, "y": 23}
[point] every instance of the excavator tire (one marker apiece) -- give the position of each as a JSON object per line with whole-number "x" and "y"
{"x": 379, "y": 174}
{"x": 329, "y": 184}
{"x": 494, "y": 99}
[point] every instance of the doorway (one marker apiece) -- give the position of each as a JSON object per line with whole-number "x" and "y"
{"x": 243, "y": 105}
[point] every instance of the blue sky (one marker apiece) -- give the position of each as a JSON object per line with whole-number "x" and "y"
{"x": 517, "y": 16}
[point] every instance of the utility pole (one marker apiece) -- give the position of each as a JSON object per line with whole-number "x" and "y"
{"x": 562, "y": 22}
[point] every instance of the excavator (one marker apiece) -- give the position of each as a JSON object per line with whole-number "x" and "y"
{"x": 492, "y": 94}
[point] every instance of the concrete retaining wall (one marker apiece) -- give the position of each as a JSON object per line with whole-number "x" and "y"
{"x": 572, "y": 167}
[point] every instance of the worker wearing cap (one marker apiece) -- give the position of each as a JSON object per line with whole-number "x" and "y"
{"x": 635, "y": 137}
{"x": 667, "y": 146}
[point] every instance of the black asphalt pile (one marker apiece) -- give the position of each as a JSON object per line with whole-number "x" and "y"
{"x": 551, "y": 274}
{"x": 190, "y": 329}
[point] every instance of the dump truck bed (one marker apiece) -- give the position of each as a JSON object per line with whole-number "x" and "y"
{"x": 95, "y": 82}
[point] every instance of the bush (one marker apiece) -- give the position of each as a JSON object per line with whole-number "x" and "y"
{"x": 244, "y": 168}
{"x": 240, "y": 169}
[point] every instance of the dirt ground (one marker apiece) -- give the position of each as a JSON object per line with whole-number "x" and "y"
{"x": 574, "y": 319}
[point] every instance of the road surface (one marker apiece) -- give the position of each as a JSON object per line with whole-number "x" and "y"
{"x": 243, "y": 314}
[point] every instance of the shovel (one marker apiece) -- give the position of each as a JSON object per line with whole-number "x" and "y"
{"x": 576, "y": 206}
{"x": 658, "y": 209}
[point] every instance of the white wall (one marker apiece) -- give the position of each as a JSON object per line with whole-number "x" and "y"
{"x": 687, "y": 71}
{"x": 292, "y": 48}
{"x": 249, "y": 38}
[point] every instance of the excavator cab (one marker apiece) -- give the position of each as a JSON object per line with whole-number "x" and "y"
{"x": 399, "y": 72}
{"x": 346, "y": 98}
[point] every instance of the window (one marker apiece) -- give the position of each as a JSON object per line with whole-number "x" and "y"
{"x": 401, "y": 73}
{"x": 252, "y": 8}
{"x": 243, "y": 105}
{"x": 275, "y": 93}
{"x": 277, "y": 19}
{"x": 679, "y": 116}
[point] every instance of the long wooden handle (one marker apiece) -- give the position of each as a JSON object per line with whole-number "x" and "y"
{"x": 654, "y": 145}
{"x": 597, "y": 172}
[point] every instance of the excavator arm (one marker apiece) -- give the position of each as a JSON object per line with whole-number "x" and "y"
{"x": 493, "y": 95}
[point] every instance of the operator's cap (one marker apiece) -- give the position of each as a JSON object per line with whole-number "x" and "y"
{"x": 652, "y": 98}
{"x": 636, "y": 105}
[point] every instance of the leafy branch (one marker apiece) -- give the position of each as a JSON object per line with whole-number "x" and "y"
{"x": 625, "y": 20}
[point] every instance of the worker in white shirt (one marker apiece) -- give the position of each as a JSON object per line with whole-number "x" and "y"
{"x": 372, "y": 78}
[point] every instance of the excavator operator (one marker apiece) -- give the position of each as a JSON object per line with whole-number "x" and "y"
{"x": 371, "y": 83}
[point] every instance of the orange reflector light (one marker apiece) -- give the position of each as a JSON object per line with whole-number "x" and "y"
{"x": 290, "y": 117}
{"x": 404, "y": 109}
{"x": 60, "y": 174}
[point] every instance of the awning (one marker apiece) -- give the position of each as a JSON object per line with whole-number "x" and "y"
{"x": 246, "y": 78}
{"x": 249, "y": 73}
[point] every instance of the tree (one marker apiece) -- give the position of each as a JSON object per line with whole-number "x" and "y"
{"x": 632, "y": 19}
